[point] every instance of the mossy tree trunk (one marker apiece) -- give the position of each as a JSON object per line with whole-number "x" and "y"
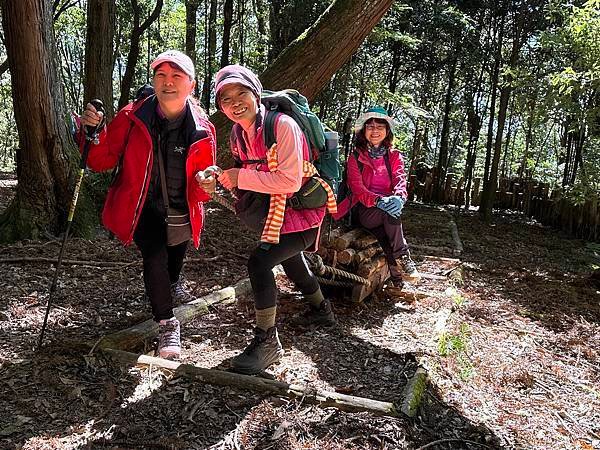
{"x": 47, "y": 158}
{"x": 309, "y": 62}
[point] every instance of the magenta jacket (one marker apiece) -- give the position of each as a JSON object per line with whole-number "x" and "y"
{"x": 359, "y": 183}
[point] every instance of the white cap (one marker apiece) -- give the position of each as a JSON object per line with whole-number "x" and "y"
{"x": 182, "y": 60}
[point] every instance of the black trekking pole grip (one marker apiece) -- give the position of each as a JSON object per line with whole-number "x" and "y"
{"x": 91, "y": 132}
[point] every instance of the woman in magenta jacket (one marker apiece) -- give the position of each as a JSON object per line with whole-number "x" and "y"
{"x": 377, "y": 185}
{"x": 170, "y": 122}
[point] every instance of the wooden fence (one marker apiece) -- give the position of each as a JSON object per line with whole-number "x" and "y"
{"x": 530, "y": 197}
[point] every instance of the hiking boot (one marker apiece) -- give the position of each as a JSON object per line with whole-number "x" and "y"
{"x": 264, "y": 350}
{"x": 409, "y": 269}
{"x": 179, "y": 295}
{"x": 169, "y": 344}
{"x": 321, "y": 315}
{"x": 394, "y": 286}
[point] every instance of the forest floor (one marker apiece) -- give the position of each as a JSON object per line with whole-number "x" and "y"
{"x": 511, "y": 348}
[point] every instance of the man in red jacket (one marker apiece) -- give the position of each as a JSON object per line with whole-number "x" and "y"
{"x": 168, "y": 125}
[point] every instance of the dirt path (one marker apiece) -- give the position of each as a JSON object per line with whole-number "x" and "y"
{"x": 511, "y": 350}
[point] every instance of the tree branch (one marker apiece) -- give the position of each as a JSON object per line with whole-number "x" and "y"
{"x": 3, "y": 67}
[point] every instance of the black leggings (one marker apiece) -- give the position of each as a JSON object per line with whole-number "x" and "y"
{"x": 162, "y": 264}
{"x": 288, "y": 253}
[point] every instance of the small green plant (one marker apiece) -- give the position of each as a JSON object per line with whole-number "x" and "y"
{"x": 457, "y": 344}
{"x": 459, "y": 300}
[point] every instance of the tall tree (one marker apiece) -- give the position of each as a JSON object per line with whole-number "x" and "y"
{"x": 210, "y": 44}
{"x": 99, "y": 58}
{"x": 191, "y": 31}
{"x": 227, "y": 23}
{"x": 134, "y": 48}
{"x": 47, "y": 155}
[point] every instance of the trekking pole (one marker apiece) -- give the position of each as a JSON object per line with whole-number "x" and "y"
{"x": 91, "y": 134}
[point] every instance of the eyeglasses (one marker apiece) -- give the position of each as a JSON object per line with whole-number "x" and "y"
{"x": 375, "y": 126}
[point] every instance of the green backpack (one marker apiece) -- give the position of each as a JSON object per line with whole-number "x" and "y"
{"x": 325, "y": 154}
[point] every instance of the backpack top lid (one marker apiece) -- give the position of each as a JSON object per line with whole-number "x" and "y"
{"x": 290, "y": 102}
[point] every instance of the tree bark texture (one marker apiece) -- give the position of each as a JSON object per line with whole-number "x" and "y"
{"x": 309, "y": 62}
{"x": 442, "y": 164}
{"x": 191, "y": 29}
{"x": 227, "y": 22}
{"x": 191, "y": 9}
{"x": 211, "y": 46}
{"x": 101, "y": 17}
{"x": 46, "y": 155}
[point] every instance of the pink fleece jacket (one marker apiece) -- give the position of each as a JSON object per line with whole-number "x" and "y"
{"x": 292, "y": 149}
{"x": 361, "y": 183}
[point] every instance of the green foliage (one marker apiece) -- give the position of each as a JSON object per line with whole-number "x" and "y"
{"x": 457, "y": 345}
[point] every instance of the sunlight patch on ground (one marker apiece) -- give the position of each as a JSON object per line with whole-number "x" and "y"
{"x": 151, "y": 380}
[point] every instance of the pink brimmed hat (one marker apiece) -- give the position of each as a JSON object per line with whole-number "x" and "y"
{"x": 182, "y": 60}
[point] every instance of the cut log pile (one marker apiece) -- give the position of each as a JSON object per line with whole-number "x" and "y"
{"x": 358, "y": 252}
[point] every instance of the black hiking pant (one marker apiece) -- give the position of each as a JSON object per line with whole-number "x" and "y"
{"x": 288, "y": 253}
{"x": 162, "y": 263}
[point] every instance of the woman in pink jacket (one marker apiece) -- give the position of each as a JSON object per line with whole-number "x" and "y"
{"x": 377, "y": 184}
{"x": 276, "y": 173}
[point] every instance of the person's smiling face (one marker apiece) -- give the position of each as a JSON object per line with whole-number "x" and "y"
{"x": 375, "y": 131}
{"x": 172, "y": 86}
{"x": 239, "y": 104}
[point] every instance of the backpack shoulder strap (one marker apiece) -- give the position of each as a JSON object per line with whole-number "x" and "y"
{"x": 388, "y": 165}
{"x": 269, "y": 127}
{"x": 358, "y": 162}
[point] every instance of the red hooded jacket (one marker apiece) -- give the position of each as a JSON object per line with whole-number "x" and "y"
{"x": 126, "y": 141}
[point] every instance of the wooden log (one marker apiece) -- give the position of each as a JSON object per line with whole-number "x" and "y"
{"x": 257, "y": 384}
{"x": 327, "y": 240}
{"x": 432, "y": 276}
{"x": 430, "y": 249}
{"x": 458, "y": 247}
{"x": 345, "y": 240}
{"x": 412, "y": 295}
{"x": 439, "y": 258}
{"x": 364, "y": 242}
{"x": 367, "y": 253}
{"x": 136, "y": 335}
{"x": 376, "y": 280}
{"x": 346, "y": 256}
{"x": 413, "y": 392}
{"x": 368, "y": 268}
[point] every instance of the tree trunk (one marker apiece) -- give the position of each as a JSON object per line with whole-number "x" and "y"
{"x": 260, "y": 11}
{"x": 341, "y": 29}
{"x": 211, "y": 45}
{"x": 99, "y": 53}
{"x": 191, "y": 28}
{"x": 227, "y": 22}
{"x": 134, "y": 50}
{"x": 46, "y": 156}
{"x": 442, "y": 165}
{"x": 191, "y": 9}
{"x": 489, "y": 192}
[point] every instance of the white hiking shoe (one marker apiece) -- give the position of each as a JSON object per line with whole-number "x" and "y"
{"x": 169, "y": 341}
